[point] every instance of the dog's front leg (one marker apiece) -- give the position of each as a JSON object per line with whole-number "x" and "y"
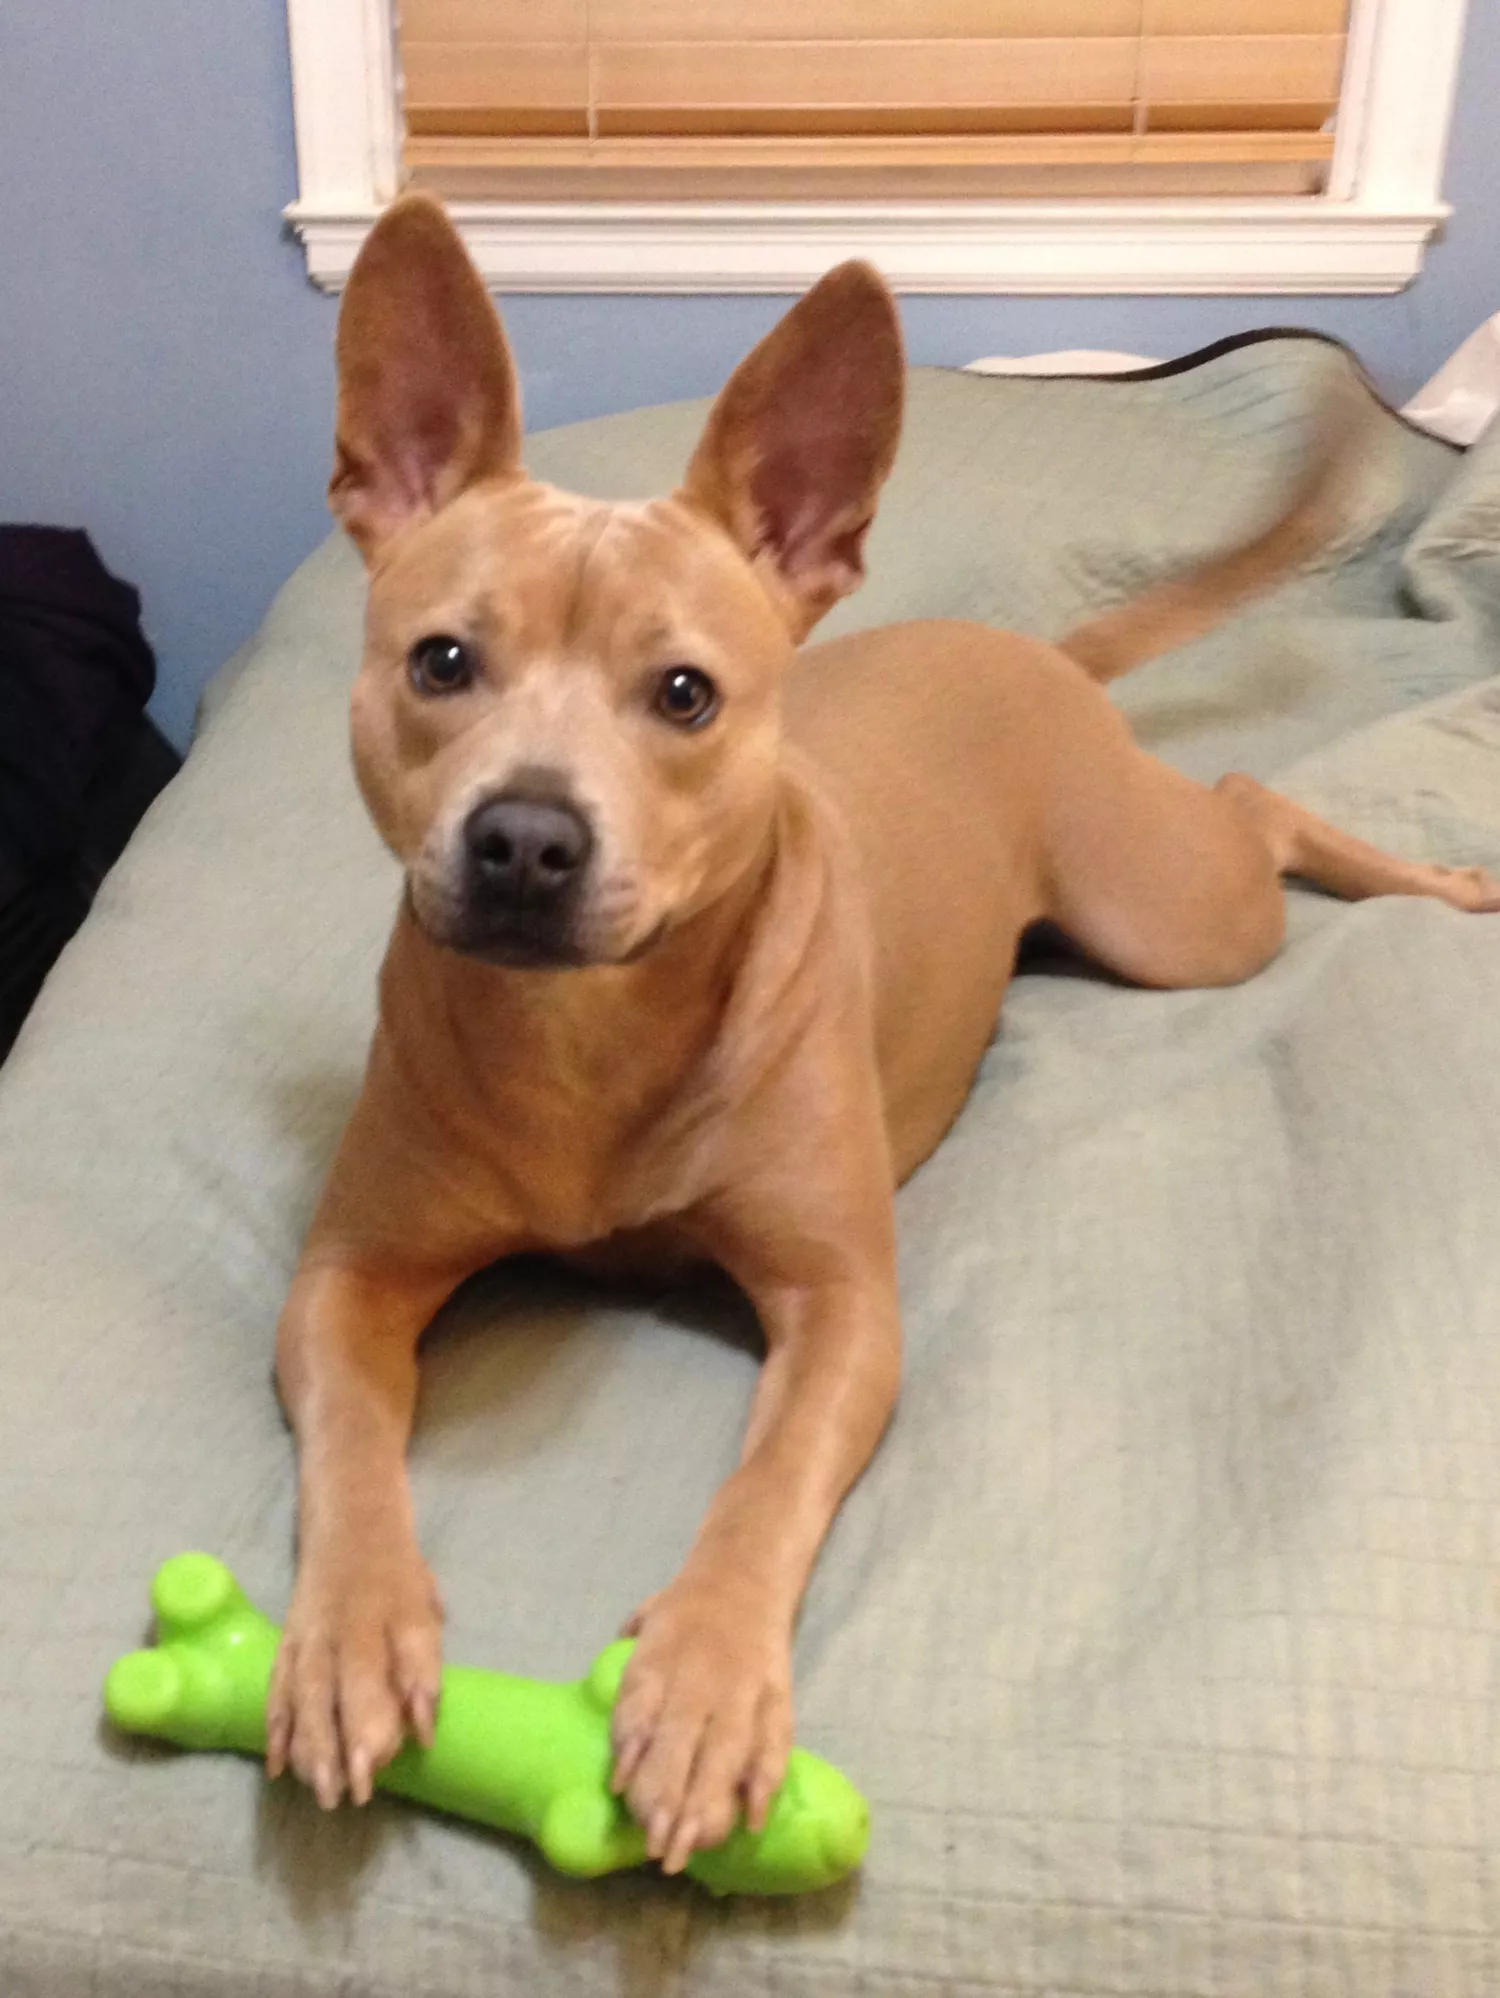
{"x": 703, "y": 1724}
{"x": 359, "y": 1661}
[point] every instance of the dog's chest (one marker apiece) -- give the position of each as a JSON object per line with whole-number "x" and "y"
{"x": 575, "y": 1154}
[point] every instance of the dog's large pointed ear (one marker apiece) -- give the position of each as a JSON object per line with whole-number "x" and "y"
{"x": 800, "y": 441}
{"x": 428, "y": 403}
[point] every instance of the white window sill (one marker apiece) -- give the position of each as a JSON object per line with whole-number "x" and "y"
{"x": 1291, "y": 244}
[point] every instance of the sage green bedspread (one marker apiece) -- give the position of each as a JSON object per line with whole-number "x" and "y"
{"x": 1163, "y": 1632}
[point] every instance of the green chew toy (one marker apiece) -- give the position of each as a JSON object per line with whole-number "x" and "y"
{"x": 523, "y": 1755}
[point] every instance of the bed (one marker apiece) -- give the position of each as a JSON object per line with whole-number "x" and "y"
{"x": 1162, "y": 1634}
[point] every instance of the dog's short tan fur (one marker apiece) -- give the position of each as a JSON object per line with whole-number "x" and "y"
{"x": 770, "y": 993}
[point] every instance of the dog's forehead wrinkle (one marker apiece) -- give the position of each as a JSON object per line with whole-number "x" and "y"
{"x": 608, "y": 546}
{"x": 594, "y": 530}
{"x": 634, "y": 577}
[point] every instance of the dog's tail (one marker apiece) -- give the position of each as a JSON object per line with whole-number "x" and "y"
{"x": 1185, "y": 607}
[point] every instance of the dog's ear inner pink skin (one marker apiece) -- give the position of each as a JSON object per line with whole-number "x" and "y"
{"x": 801, "y": 440}
{"x": 428, "y": 403}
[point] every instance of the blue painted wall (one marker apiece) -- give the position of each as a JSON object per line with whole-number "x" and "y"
{"x": 164, "y": 365}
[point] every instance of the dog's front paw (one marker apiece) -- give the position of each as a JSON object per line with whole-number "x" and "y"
{"x": 703, "y": 1723}
{"x": 357, "y": 1671}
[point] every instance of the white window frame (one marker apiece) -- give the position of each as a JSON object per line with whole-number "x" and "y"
{"x": 1366, "y": 234}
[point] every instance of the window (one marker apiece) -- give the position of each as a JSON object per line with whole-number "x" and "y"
{"x": 963, "y": 145}
{"x": 876, "y": 99}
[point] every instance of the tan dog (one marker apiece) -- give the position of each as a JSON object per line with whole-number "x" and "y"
{"x": 700, "y": 948}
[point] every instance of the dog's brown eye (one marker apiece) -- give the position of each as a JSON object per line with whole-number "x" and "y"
{"x": 686, "y": 696}
{"x": 440, "y": 665}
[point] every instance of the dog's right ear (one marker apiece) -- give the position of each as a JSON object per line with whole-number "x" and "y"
{"x": 428, "y": 403}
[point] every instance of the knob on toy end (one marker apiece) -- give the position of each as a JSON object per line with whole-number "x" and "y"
{"x": 606, "y": 1672}
{"x": 190, "y": 1590}
{"x": 846, "y": 1836}
{"x": 142, "y": 1691}
{"x": 817, "y": 1832}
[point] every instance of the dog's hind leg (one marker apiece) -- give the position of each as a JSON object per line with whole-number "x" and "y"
{"x": 1173, "y": 884}
{"x": 1307, "y": 846}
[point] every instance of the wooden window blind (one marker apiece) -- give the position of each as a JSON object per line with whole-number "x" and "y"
{"x": 787, "y": 99}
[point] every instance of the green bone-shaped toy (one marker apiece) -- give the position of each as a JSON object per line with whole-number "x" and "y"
{"x": 523, "y": 1755}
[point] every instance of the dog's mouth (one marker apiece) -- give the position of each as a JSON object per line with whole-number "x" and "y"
{"x": 525, "y": 941}
{"x": 515, "y": 951}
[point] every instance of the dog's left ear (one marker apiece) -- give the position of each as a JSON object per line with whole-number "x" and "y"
{"x": 801, "y": 439}
{"x": 428, "y": 402}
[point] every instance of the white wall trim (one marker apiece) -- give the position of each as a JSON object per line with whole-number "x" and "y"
{"x": 1367, "y": 235}
{"x": 921, "y": 247}
{"x": 344, "y": 105}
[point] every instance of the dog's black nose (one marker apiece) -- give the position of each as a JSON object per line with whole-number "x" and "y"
{"x": 526, "y": 852}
